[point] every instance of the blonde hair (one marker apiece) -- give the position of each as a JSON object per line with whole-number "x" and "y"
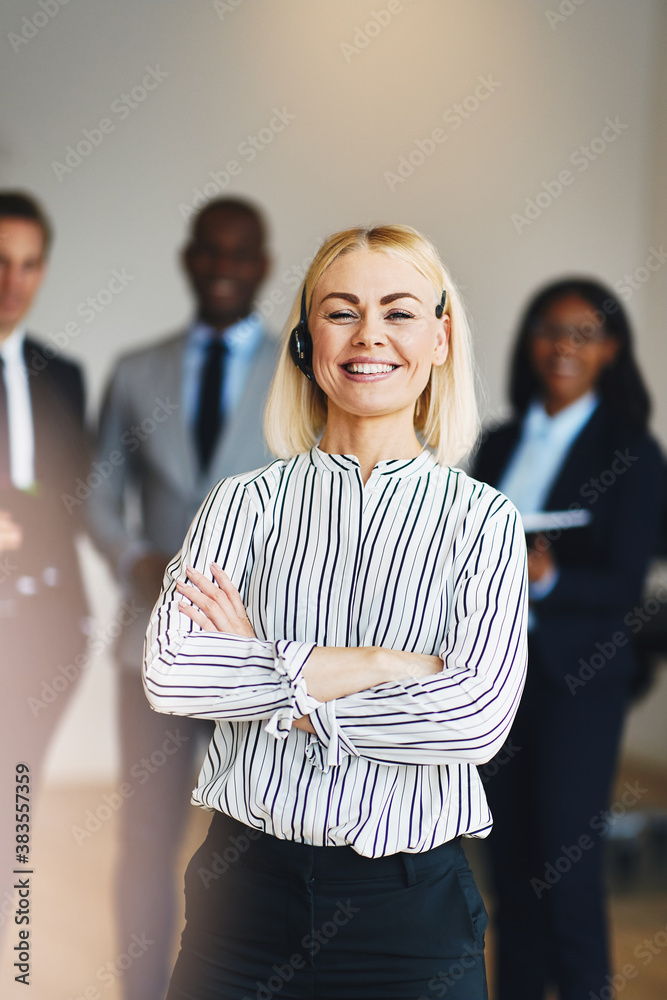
{"x": 446, "y": 416}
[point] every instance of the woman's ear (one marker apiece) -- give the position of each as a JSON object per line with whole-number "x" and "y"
{"x": 441, "y": 349}
{"x": 611, "y": 347}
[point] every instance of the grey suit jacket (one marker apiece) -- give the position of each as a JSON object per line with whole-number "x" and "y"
{"x": 146, "y": 483}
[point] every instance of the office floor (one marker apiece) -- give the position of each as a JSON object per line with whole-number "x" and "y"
{"x": 72, "y": 929}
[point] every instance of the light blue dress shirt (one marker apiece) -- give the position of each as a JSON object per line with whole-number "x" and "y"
{"x": 543, "y": 446}
{"x": 537, "y": 461}
{"x": 241, "y": 341}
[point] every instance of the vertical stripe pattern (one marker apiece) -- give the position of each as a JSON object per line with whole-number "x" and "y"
{"x": 420, "y": 558}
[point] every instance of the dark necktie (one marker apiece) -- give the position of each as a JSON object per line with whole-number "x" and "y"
{"x": 5, "y": 466}
{"x": 209, "y": 415}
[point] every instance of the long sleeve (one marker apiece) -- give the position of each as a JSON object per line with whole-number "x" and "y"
{"x": 418, "y": 557}
{"x": 632, "y": 513}
{"x": 214, "y": 675}
{"x": 464, "y": 713}
{"x": 106, "y": 506}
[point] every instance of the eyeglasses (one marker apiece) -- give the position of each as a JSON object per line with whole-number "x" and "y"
{"x": 577, "y": 336}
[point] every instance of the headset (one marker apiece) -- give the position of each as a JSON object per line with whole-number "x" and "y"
{"x": 301, "y": 342}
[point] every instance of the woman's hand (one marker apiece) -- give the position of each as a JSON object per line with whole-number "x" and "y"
{"x": 11, "y": 534}
{"x": 540, "y": 559}
{"x": 215, "y": 607}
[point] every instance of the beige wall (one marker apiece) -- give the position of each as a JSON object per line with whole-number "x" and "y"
{"x": 352, "y": 103}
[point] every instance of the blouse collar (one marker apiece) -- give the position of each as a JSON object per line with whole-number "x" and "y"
{"x": 402, "y": 468}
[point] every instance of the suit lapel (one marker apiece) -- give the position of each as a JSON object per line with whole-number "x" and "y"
{"x": 180, "y": 456}
{"x": 228, "y": 457}
{"x": 578, "y": 465}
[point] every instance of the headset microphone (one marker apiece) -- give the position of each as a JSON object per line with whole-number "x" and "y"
{"x": 301, "y": 343}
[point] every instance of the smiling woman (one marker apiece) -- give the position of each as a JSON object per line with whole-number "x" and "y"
{"x": 580, "y": 405}
{"x": 403, "y": 283}
{"x": 353, "y": 618}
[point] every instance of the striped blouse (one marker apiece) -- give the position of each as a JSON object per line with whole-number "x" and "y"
{"x": 420, "y": 558}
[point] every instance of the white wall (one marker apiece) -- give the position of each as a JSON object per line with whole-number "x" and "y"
{"x": 356, "y": 111}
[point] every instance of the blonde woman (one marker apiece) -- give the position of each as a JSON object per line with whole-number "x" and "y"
{"x": 353, "y": 619}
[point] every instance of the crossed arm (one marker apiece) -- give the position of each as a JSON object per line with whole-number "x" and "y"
{"x": 204, "y": 660}
{"x": 330, "y": 672}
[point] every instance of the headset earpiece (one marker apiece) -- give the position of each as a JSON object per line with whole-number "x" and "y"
{"x": 440, "y": 308}
{"x": 301, "y": 343}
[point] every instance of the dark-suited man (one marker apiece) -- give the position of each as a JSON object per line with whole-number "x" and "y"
{"x": 42, "y": 452}
{"x": 178, "y": 417}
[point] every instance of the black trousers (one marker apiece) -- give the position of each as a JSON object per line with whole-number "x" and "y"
{"x": 269, "y": 918}
{"x": 160, "y": 755}
{"x": 549, "y": 797}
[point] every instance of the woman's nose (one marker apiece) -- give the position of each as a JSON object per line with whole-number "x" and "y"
{"x": 370, "y": 330}
{"x": 565, "y": 345}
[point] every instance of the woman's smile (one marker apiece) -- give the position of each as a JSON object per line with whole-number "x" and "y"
{"x": 365, "y": 369}
{"x": 375, "y": 336}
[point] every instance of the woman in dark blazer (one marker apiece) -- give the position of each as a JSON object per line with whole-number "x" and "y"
{"x": 578, "y": 443}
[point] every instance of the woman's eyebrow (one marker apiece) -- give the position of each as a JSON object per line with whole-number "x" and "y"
{"x": 385, "y": 300}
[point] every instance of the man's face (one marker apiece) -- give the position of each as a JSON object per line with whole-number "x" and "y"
{"x": 225, "y": 263}
{"x": 22, "y": 266}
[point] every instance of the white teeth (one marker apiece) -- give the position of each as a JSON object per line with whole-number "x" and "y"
{"x": 368, "y": 369}
{"x": 565, "y": 366}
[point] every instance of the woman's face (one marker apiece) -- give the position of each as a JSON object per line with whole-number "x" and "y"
{"x": 569, "y": 350}
{"x": 375, "y": 334}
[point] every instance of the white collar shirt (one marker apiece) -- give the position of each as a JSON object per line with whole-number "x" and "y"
{"x": 19, "y": 411}
{"x": 420, "y": 558}
{"x": 542, "y": 449}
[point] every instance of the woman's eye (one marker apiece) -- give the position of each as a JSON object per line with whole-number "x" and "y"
{"x": 399, "y": 314}
{"x": 341, "y": 314}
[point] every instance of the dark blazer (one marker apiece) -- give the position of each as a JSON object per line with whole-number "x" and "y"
{"x": 49, "y": 524}
{"x": 618, "y": 475}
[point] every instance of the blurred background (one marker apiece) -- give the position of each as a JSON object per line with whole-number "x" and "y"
{"x": 528, "y": 138}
